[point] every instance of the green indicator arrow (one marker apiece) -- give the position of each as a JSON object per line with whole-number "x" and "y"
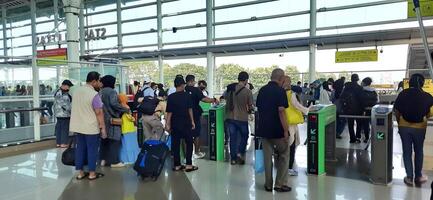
{"x": 380, "y": 136}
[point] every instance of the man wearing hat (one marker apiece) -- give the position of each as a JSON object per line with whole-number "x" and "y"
{"x": 62, "y": 111}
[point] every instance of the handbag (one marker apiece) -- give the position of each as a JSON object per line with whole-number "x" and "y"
{"x": 68, "y": 156}
{"x": 116, "y": 121}
{"x": 259, "y": 165}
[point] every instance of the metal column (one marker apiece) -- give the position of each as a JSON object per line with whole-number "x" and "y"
{"x": 159, "y": 33}
{"x": 210, "y": 35}
{"x": 119, "y": 26}
{"x": 35, "y": 74}
{"x": 56, "y": 18}
{"x": 312, "y": 56}
{"x": 72, "y": 10}
{"x": 82, "y": 35}
{"x": 5, "y": 41}
{"x": 424, "y": 36}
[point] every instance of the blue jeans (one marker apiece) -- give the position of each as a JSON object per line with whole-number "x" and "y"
{"x": 412, "y": 138}
{"x": 87, "y": 146}
{"x": 237, "y": 130}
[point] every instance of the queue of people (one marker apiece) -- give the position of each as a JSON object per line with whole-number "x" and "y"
{"x": 104, "y": 129}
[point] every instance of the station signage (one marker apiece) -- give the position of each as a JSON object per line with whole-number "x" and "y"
{"x": 59, "y": 54}
{"x": 89, "y": 34}
{"x": 426, "y": 8}
{"x": 428, "y": 85}
{"x": 370, "y": 55}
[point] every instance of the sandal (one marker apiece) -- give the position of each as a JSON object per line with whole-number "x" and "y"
{"x": 178, "y": 168}
{"x": 193, "y": 168}
{"x": 283, "y": 188}
{"x": 98, "y": 175}
{"x": 82, "y": 177}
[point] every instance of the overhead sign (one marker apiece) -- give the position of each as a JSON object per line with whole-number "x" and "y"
{"x": 89, "y": 34}
{"x": 356, "y": 56}
{"x": 428, "y": 85}
{"x": 426, "y": 8}
{"x": 52, "y": 54}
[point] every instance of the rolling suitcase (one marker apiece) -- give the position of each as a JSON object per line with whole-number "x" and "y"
{"x": 151, "y": 159}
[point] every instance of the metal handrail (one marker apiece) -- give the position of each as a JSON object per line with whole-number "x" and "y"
{"x": 24, "y": 110}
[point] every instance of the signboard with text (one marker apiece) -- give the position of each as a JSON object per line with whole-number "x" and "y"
{"x": 370, "y": 55}
{"x": 426, "y": 8}
{"x": 52, "y": 54}
{"x": 428, "y": 85}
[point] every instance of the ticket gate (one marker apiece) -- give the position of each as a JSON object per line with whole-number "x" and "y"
{"x": 381, "y": 144}
{"x": 321, "y": 132}
{"x": 216, "y": 133}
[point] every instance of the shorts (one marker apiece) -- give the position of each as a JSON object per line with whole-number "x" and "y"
{"x": 197, "y": 131}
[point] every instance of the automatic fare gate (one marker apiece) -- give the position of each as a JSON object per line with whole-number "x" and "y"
{"x": 321, "y": 137}
{"x": 381, "y": 144}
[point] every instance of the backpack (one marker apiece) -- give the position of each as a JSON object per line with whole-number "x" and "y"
{"x": 140, "y": 94}
{"x": 368, "y": 98}
{"x": 349, "y": 103}
{"x": 148, "y": 105}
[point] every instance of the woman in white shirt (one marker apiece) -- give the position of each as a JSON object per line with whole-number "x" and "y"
{"x": 325, "y": 94}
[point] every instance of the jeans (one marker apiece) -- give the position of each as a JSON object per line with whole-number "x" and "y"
{"x": 87, "y": 146}
{"x": 281, "y": 148}
{"x": 350, "y": 125}
{"x": 238, "y": 131}
{"x": 341, "y": 124}
{"x": 176, "y": 136}
{"x": 412, "y": 138}
{"x": 62, "y": 130}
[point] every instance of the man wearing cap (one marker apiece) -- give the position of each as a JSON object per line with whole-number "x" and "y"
{"x": 147, "y": 89}
{"x": 180, "y": 124}
{"x": 62, "y": 111}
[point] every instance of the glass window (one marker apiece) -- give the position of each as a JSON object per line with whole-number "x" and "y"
{"x": 184, "y": 35}
{"x": 93, "y": 7}
{"x": 110, "y": 30}
{"x": 182, "y": 5}
{"x": 362, "y": 15}
{"x": 194, "y": 44}
{"x": 334, "y": 3}
{"x": 22, "y": 41}
{"x": 44, "y": 27}
{"x": 184, "y": 20}
{"x": 107, "y": 43}
{"x": 228, "y": 2}
{"x": 23, "y": 51}
{"x": 263, "y": 9}
{"x": 137, "y": 2}
{"x": 151, "y": 48}
{"x": 139, "y": 26}
{"x": 263, "y": 26}
{"x": 141, "y": 39}
{"x": 275, "y": 37}
{"x": 139, "y": 12}
{"x": 102, "y": 18}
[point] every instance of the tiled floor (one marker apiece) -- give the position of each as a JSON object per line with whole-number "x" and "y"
{"x": 41, "y": 175}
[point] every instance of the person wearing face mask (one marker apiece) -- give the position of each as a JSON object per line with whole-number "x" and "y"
{"x": 62, "y": 111}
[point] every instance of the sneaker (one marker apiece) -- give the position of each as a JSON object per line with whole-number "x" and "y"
{"x": 199, "y": 155}
{"x": 352, "y": 141}
{"x": 421, "y": 179}
{"x": 358, "y": 141}
{"x": 408, "y": 181}
{"x": 233, "y": 162}
{"x": 293, "y": 172}
{"x": 366, "y": 140}
{"x": 118, "y": 165}
{"x": 339, "y": 137}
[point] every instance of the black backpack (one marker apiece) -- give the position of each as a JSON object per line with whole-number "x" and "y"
{"x": 148, "y": 105}
{"x": 368, "y": 98}
{"x": 349, "y": 103}
{"x": 140, "y": 94}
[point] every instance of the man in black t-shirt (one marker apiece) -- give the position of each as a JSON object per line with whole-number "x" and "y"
{"x": 197, "y": 96}
{"x": 180, "y": 124}
{"x": 273, "y": 129}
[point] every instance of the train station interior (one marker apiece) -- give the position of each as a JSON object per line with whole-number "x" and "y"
{"x": 383, "y": 45}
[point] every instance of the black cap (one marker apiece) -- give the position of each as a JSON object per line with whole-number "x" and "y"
{"x": 68, "y": 83}
{"x": 178, "y": 81}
